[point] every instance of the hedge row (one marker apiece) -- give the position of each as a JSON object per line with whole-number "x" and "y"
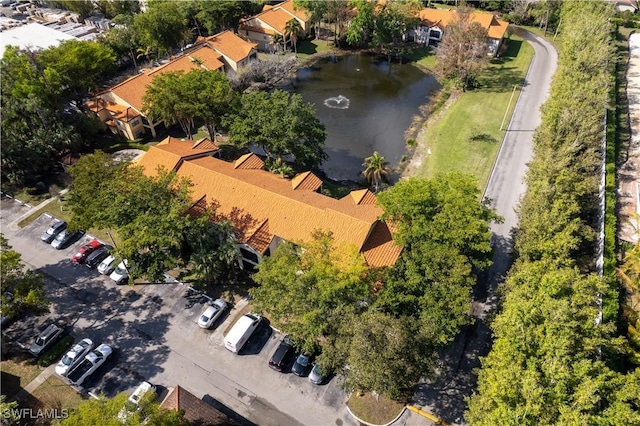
{"x": 548, "y": 364}
{"x": 55, "y": 352}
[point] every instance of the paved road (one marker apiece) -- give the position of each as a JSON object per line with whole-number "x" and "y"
{"x": 455, "y": 381}
{"x": 153, "y": 329}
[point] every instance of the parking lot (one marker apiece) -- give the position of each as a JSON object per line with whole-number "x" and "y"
{"x": 153, "y": 329}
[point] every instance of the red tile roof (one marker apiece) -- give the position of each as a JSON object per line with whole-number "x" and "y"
{"x": 196, "y": 411}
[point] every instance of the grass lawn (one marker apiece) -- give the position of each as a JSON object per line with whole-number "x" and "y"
{"x": 467, "y": 136}
{"x": 53, "y": 394}
{"x": 17, "y": 373}
{"x": 307, "y": 48}
{"x": 378, "y": 410}
{"x": 422, "y": 57}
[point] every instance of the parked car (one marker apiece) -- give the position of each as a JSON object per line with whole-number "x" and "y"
{"x": 120, "y": 275}
{"x": 316, "y": 376}
{"x": 282, "y": 355}
{"x": 133, "y": 402}
{"x": 45, "y": 339}
{"x": 83, "y": 252}
{"x": 96, "y": 257}
{"x": 64, "y": 238}
{"x": 302, "y": 364}
{"x": 107, "y": 266}
{"x": 52, "y": 232}
{"x": 241, "y": 331}
{"x": 91, "y": 362}
{"x": 74, "y": 356}
{"x": 212, "y": 313}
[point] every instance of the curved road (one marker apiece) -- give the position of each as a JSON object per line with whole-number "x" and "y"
{"x": 445, "y": 396}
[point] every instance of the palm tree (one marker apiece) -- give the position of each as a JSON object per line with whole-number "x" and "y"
{"x": 376, "y": 170}
{"x": 292, "y": 29}
{"x": 276, "y": 39}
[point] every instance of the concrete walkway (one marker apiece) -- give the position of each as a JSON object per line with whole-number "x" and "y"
{"x": 629, "y": 171}
{"x": 42, "y": 377}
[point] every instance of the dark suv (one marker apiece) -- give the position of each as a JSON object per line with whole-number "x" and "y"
{"x": 45, "y": 339}
{"x": 282, "y": 355}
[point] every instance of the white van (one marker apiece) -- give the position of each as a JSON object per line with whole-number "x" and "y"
{"x": 241, "y": 331}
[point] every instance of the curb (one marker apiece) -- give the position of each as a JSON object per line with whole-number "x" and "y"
{"x": 373, "y": 424}
{"x": 427, "y": 415}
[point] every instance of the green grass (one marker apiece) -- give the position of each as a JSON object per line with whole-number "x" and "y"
{"x": 23, "y": 367}
{"x": 378, "y": 410}
{"x": 467, "y": 136}
{"x": 307, "y": 48}
{"x": 422, "y": 56}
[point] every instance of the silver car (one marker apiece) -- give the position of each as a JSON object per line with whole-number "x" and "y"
{"x": 74, "y": 356}
{"x": 107, "y": 266}
{"x": 212, "y": 313}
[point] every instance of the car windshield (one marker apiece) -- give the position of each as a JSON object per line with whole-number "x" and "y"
{"x": 61, "y": 236}
{"x": 120, "y": 270}
{"x": 316, "y": 369}
{"x": 39, "y": 341}
{"x": 204, "y": 318}
{"x": 67, "y": 360}
{"x": 303, "y": 360}
{"x": 50, "y": 230}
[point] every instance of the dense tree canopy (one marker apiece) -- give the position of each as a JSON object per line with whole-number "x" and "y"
{"x": 555, "y": 346}
{"x": 305, "y": 291}
{"x": 282, "y": 124}
{"x": 162, "y": 27}
{"x": 150, "y": 215}
{"x": 104, "y": 411}
{"x": 22, "y": 289}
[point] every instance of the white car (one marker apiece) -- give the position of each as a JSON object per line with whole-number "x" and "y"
{"x": 74, "y": 356}
{"x": 133, "y": 403}
{"x": 89, "y": 364}
{"x": 212, "y": 313}
{"x": 107, "y": 266}
{"x": 120, "y": 275}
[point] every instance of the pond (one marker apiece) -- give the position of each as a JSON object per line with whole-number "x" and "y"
{"x": 366, "y": 105}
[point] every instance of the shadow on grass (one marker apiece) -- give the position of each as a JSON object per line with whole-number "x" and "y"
{"x": 307, "y": 48}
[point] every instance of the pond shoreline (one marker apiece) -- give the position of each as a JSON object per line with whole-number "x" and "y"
{"x": 412, "y": 134}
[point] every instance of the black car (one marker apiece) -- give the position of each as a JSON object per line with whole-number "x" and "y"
{"x": 52, "y": 232}
{"x": 302, "y": 364}
{"x": 95, "y": 258}
{"x": 282, "y": 355}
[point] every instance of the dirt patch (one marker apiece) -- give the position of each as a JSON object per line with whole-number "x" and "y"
{"x": 374, "y": 408}
{"x": 17, "y": 373}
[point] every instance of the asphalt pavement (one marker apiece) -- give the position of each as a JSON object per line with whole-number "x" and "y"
{"x": 455, "y": 380}
{"x": 154, "y": 331}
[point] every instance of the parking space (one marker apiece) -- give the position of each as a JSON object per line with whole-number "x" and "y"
{"x": 153, "y": 330}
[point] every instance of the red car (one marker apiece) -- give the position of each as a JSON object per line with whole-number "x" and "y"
{"x": 81, "y": 255}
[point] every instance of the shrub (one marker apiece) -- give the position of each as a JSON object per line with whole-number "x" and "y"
{"x": 411, "y": 142}
{"x": 55, "y": 352}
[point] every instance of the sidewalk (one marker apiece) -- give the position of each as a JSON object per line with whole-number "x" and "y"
{"x": 42, "y": 377}
{"x": 14, "y": 223}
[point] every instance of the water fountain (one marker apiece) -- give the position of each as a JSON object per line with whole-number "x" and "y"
{"x": 337, "y": 102}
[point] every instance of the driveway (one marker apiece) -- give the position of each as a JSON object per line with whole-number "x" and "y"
{"x": 154, "y": 331}
{"x": 456, "y": 379}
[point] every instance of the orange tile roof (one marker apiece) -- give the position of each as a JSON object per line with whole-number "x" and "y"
{"x": 290, "y": 7}
{"x": 256, "y": 29}
{"x": 306, "y": 181}
{"x": 133, "y": 89}
{"x": 248, "y": 161}
{"x": 261, "y": 204}
{"x": 171, "y": 152}
{"x": 196, "y": 411}
{"x": 363, "y": 196}
{"x": 206, "y": 143}
{"x": 119, "y": 112}
{"x": 276, "y": 18}
{"x": 230, "y": 45}
{"x": 495, "y": 27}
{"x": 380, "y": 249}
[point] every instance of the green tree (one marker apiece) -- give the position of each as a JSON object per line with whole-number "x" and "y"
{"x": 84, "y": 8}
{"x": 306, "y": 292}
{"x": 162, "y": 27}
{"x": 22, "y": 289}
{"x": 292, "y": 30}
{"x": 282, "y": 124}
{"x": 219, "y": 15}
{"x": 213, "y": 97}
{"x": 376, "y": 170}
{"x": 104, "y": 411}
{"x": 6, "y": 408}
{"x": 316, "y": 9}
{"x": 122, "y": 38}
{"x": 362, "y": 25}
{"x": 170, "y": 97}
{"x": 112, "y": 8}
{"x": 386, "y": 355}
{"x": 80, "y": 66}
{"x": 463, "y": 52}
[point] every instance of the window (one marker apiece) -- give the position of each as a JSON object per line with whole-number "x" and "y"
{"x": 249, "y": 255}
{"x": 135, "y": 121}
